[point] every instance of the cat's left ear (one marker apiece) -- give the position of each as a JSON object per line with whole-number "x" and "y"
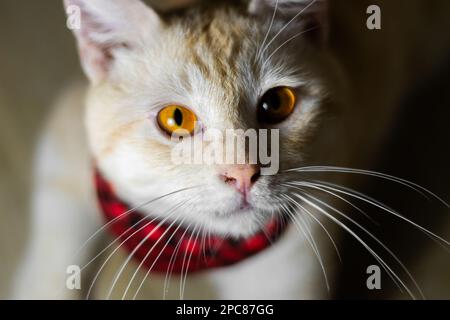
{"x": 106, "y": 26}
{"x": 308, "y": 16}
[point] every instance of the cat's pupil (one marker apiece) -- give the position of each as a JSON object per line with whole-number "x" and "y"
{"x": 178, "y": 117}
{"x": 271, "y": 102}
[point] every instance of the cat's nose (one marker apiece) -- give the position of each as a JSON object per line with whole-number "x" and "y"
{"x": 241, "y": 177}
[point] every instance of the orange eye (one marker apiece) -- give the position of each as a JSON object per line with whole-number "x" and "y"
{"x": 173, "y": 118}
{"x": 276, "y": 105}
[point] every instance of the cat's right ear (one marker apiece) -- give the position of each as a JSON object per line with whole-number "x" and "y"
{"x": 106, "y": 26}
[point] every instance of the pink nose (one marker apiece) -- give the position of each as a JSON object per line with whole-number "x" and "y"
{"x": 241, "y": 177}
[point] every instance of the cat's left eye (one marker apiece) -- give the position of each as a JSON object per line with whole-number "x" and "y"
{"x": 277, "y": 105}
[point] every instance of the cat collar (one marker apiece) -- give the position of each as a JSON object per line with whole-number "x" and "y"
{"x": 163, "y": 248}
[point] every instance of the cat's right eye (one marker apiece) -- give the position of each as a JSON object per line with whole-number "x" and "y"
{"x": 174, "y": 119}
{"x": 277, "y": 105}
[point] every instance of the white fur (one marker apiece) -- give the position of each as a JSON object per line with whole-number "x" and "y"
{"x": 153, "y": 70}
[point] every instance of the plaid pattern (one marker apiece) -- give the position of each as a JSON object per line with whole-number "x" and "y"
{"x": 160, "y": 246}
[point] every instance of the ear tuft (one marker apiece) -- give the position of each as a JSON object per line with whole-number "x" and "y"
{"x": 105, "y": 26}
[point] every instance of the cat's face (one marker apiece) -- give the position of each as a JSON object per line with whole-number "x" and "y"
{"x": 220, "y": 66}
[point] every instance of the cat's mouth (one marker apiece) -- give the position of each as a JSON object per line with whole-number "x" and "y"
{"x": 244, "y": 209}
{"x": 243, "y": 219}
{"x": 245, "y": 205}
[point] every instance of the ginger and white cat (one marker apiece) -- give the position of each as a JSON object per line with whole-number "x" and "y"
{"x": 218, "y": 59}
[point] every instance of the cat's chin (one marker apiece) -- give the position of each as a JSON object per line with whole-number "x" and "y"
{"x": 243, "y": 222}
{"x": 243, "y": 210}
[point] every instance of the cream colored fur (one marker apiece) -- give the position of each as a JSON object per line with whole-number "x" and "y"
{"x": 358, "y": 79}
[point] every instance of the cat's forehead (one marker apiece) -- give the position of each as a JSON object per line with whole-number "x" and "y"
{"x": 220, "y": 42}
{"x": 214, "y": 51}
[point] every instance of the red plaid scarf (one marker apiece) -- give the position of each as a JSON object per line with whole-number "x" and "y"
{"x": 159, "y": 246}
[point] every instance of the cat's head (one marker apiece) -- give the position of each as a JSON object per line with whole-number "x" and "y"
{"x": 227, "y": 64}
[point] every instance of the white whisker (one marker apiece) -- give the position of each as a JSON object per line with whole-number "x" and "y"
{"x": 414, "y": 186}
{"x": 130, "y": 256}
{"x": 287, "y": 41}
{"x": 288, "y": 23}
{"x": 310, "y": 241}
{"x": 183, "y": 265}
{"x": 320, "y": 224}
{"x": 314, "y": 186}
{"x": 375, "y": 255}
{"x": 183, "y": 288}
{"x": 156, "y": 259}
{"x": 117, "y": 249}
{"x": 172, "y": 260}
{"x": 117, "y": 238}
{"x": 258, "y": 52}
{"x": 367, "y": 199}
{"x": 103, "y": 227}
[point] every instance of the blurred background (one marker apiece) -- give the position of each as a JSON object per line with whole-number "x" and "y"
{"x": 38, "y": 59}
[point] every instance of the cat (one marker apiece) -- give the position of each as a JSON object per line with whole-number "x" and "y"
{"x": 221, "y": 62}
